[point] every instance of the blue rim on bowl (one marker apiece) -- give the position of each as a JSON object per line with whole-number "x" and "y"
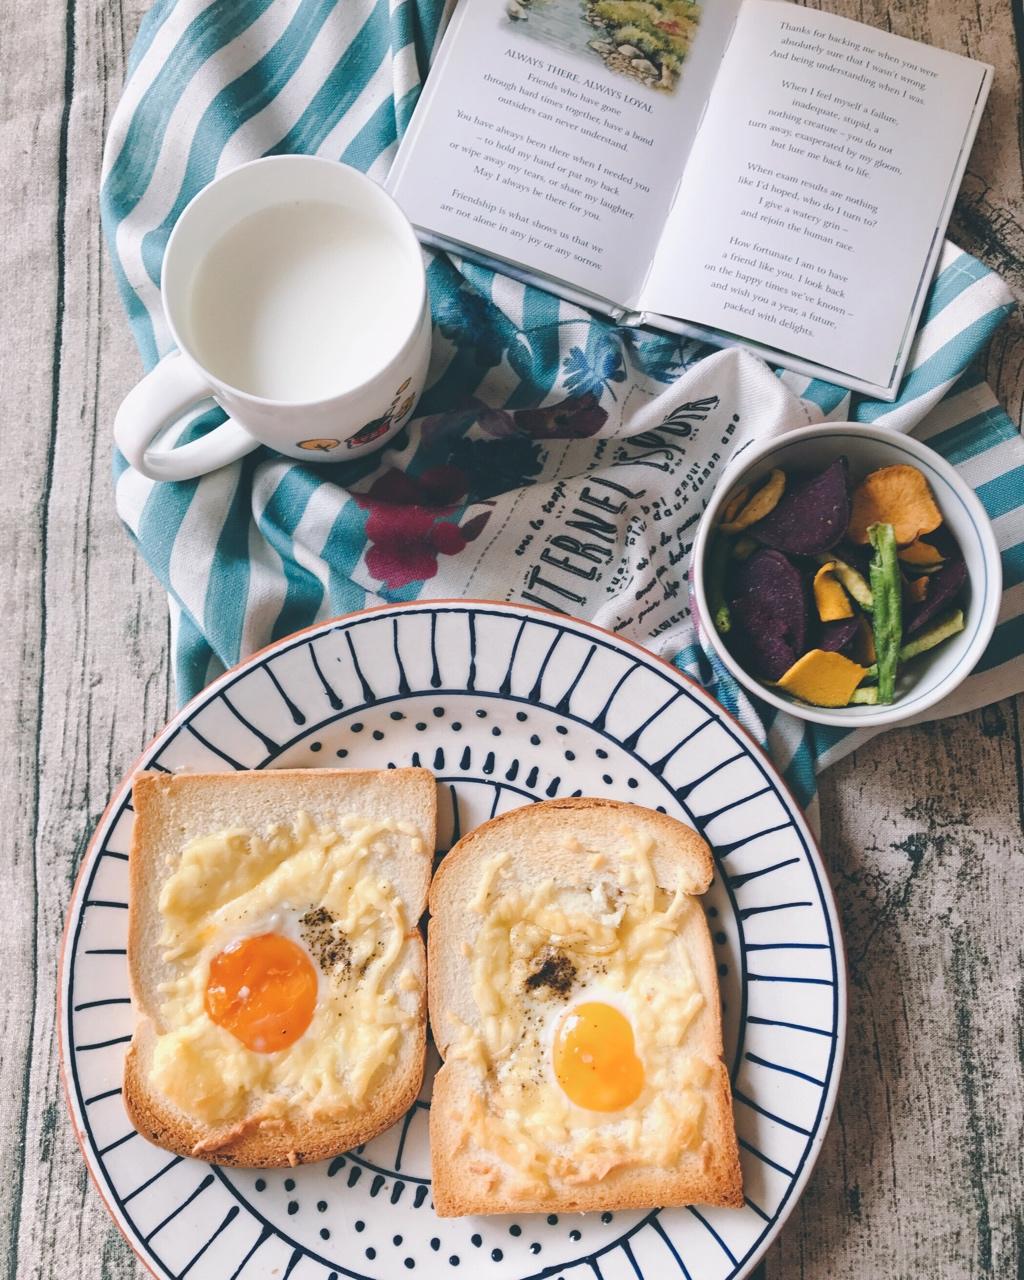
{"x": 959, "y": 505}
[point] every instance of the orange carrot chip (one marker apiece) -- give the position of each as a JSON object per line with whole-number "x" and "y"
{"x": 921, "y": 555}
{"x": 864, "y": 645}
{"x": 898, "y": 495}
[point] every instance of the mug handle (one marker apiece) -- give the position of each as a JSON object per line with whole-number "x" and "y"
{"x": 163, "y": 395}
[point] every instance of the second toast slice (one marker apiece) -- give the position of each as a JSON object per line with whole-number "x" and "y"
{"x": 574, "y": 1000}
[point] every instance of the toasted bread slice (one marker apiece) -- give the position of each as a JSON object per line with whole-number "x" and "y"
{"x": 171, "y": 811}
{"x": 578, "y": 847}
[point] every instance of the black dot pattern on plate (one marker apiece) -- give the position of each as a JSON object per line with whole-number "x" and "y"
{"x": 435, "y": 1244}
{"x": 453, "y": 1261}
{"x": 398, "y": 715}
{"x": 358, "y": 727}
{"x": 321, "y": 1206}
{"x": 420, "y": 726}
{"x": 293, "y": 1207}
{"x": 521, "y": 716}
{"x": 481, "y": 714}
{"x": 495, "y": 732}
{"x": 409, "y": 1262}
{"x": 260, "y": 1185}
{"x": 325, "y": 1233}
{"x": 341, "y": 753}
{"x": 456, "y": 726}
{"x": 560, "y": 728}
{"x": 396, "y": 1241}
{"x": 534, "y": 740}
{"x": 515, "y": 1229}
{"x": 316, "y": 746}
{"x": 360, "y": 1226}
{"x": 289, "y": 1184}
{"x": 632, "y": 783}
{"x": 575, "y": 1235}
{"x": 371, "y": 1253}
{"x": 535, "y": 1247}
{"x": 378, "y": 736}
{"x": 496, "y": 1255}
{"x": 601, "y": 753}
{"x": 720, "y": 938}
{"x": 477, "y": 1241}
{"x": 552, "y": 1219}
{"x": 723, "y": 970}
{"x": 439, "y": 712}
{"x": 607, "y": 779}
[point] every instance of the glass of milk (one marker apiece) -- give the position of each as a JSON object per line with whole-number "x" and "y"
{"x": 293, "y": 288}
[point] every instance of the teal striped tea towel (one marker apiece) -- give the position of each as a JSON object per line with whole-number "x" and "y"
{"x": 553, "y": 458}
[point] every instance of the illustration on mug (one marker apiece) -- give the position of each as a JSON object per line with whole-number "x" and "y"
{"x": 321, "y": 444}
{"x": 399, "y": 409}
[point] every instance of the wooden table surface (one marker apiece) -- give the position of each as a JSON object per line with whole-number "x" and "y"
{"x": 922, "y": 1173}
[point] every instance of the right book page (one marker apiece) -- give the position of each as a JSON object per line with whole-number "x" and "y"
{"x": 809, "y": 205}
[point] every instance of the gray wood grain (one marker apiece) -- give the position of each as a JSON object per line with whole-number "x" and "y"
{"x": 921, "y": 1174}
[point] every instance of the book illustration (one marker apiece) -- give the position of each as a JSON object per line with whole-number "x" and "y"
{"x": 645, "y": 39}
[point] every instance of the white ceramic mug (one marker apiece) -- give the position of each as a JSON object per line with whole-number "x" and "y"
{"x": 295, "y": 292}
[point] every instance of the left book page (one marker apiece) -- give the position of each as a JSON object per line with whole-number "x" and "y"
{"x": 552, "y": 134}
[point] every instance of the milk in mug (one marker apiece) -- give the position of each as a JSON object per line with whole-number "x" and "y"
{"x": 296, "y": 302}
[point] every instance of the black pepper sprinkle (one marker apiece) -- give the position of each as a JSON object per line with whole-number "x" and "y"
{"x": 557, "y": 971}
{"x": 330, "y": 949}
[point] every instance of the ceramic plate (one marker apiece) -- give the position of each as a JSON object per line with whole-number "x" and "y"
{"x": 507, "y": 705}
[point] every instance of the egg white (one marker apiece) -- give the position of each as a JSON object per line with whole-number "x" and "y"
{"x": 230, "y": 886}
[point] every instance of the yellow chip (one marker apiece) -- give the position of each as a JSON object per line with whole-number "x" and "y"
{"x": 832, "y": 601}
{"x": 899, "y": 496}
{"x": 765, "y": 500}
{"x": 743, "y": 548}
{"x": 735, "y": 503}
{"x": 823, "y": 679}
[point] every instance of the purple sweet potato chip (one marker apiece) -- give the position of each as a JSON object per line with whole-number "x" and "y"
{"x": 769, "y": 607}
{"x": 838, "y": 636}
{"x": 943, "y": 588}
{"x": 812, "y": 514}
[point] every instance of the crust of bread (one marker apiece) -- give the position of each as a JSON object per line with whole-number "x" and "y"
{"x": 172, "y": 809}
{"x": 540, "y": 839}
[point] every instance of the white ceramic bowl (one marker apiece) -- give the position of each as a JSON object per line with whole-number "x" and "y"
{"x": 933, "y": 675}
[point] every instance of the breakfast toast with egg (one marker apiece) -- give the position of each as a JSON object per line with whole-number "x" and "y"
{"x": 277, "y": 970}
{"x": 574, "y": 1000}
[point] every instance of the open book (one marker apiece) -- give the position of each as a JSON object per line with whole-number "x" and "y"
{"x": 743, "y": 170}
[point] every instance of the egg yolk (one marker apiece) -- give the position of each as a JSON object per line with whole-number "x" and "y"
{"x": 263, "y": 990}
{"x": 595, "y": 1059}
